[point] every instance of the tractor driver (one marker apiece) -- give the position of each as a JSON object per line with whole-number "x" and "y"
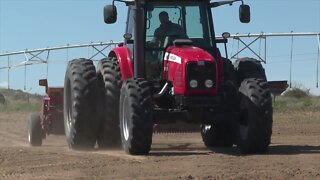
{"x": 167, "y": 28}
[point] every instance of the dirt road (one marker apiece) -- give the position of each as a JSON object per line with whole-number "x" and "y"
{"x": 294, "y": 154}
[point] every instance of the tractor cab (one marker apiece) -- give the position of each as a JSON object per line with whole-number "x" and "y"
{"x": 168, "y": 23}
{"x": 175, "y": 24}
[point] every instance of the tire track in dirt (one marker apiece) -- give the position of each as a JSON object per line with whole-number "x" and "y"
{"x": 25, "y": 176}
{"x": 120, "y": 154}
{"x": 10, "y": 139}
{"x": 13, "y": 131}
{"x": 41, "y": 163}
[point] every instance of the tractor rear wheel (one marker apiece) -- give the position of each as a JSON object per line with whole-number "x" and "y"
{"x": 81, "y": 104}
{"x": 34, "y": 130}
{"x": 255, "y": 123}
{"x": 220, "y": 134}
{"x": 110, "y": 78}
{"x": 136, "y": 119}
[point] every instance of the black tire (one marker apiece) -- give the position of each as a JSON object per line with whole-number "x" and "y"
{"x": 249, "y": 68}
{"x": 223, "y": 133}
{"x": 220, "y": 134}
{"x": 255, "y": 122}
{"x": 110, "y": 78}
{"x": 81, "y": 104}
{"x": 35, "y": 133}
{"x": 229, "y": 72}
{"x": 136, "y": 117}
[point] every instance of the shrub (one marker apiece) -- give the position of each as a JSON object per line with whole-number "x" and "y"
{"x": 298, "y": 91}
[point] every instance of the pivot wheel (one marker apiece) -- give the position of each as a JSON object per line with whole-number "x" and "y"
{"x": 34, "y": 130}
{"x": 136, "y": 119}
{"x": 255, "y": 123}
{"x": 81, "y": 104}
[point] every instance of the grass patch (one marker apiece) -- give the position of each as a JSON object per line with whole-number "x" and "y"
{"x": 20, "y": 107}
{"x": 19, "y": 101}
{"x": 285, "y": 104}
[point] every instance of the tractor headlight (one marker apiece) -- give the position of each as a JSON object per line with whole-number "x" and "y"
{"x": 208, "y": 83}
{"x": 193, "y": 83}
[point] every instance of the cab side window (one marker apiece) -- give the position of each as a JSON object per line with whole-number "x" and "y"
{"x": 130, "y": 28}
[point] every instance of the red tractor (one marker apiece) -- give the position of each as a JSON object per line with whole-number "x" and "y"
{"x": 164, "y": 73}
{"x": 50, "y": 118}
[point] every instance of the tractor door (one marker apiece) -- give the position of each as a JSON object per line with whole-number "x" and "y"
{"x": 160, "y": 35}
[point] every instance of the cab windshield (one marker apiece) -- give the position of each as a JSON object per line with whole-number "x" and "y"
{"x": 167, "y": 21}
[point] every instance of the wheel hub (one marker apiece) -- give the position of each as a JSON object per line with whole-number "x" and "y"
{"x": 29, "y": 136}
{"x": 69, "y": 108}
{"x": 124, "y": 121}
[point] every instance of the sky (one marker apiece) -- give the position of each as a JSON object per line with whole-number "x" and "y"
{"x": 33, "y": 24}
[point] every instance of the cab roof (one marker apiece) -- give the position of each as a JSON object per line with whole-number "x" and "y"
{"x": 130, "y": 2}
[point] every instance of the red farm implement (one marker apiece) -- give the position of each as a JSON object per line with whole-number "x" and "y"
{"x": 50, "y": 118}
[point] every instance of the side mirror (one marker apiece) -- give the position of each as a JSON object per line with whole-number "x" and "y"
{"x": 127, "y": 36}
{"x": 43, "y": 82}
{"x": 110, "y": 14}
{"x": 244, "y": 13}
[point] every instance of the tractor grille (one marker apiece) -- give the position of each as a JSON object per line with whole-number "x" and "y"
{"x": 201, "y": 71}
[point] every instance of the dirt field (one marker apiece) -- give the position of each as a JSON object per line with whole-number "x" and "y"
{"x": 294, "y": 154}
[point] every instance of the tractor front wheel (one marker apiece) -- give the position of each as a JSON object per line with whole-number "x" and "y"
{"x": 255, "y": 122}
{"x": 34, "y": 130}
{"x": 220, "y": 134}
{"x": 136, "y": 119}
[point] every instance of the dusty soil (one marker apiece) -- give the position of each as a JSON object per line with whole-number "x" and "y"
{"x": 294, "y": 154}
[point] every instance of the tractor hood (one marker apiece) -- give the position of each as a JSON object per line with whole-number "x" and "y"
{"x": 185, "y": 63}
{"x": 182, "y": 55}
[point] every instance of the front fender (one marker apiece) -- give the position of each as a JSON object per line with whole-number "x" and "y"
{"x": 123, "y": 55}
